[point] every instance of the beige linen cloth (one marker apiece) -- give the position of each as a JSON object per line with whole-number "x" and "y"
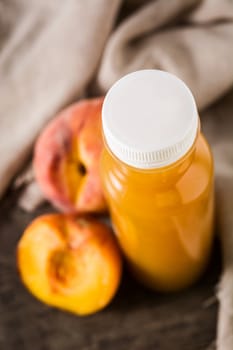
{"x": 54, "y": 52}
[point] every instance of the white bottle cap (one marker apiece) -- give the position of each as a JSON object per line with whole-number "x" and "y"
{"x": 149, "y": 119}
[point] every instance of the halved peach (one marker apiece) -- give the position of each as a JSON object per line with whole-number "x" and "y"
{"x": 70, "y": 263}
{"x": 66, "y": 159}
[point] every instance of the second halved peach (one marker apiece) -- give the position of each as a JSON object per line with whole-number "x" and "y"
{"x": 66, "y": 158}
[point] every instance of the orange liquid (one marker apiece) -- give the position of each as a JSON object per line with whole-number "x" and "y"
{"x": 163, "y": 218}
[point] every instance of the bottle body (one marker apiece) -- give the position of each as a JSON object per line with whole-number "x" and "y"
{"x": 163, "y": 217}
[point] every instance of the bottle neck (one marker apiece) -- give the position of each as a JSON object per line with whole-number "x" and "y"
{"x": 150, "y": 177}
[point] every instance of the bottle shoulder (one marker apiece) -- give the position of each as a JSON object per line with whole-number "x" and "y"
{"x": 183, "y": 184}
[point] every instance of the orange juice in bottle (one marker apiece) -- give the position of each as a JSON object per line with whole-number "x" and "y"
{"x": 157, "y": 173}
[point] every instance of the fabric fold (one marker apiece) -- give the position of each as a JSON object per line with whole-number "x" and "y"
{"x": 48, "y": 56}
{"x": 218, "y": 126}
{"x": 175, "y": 38}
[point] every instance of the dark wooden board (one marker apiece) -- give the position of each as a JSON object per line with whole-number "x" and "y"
{"x": 137, "y": 319}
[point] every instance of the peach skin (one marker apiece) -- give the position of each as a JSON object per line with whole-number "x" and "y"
{"x": 70, "y": 263}
{"x": 66, "y": 159}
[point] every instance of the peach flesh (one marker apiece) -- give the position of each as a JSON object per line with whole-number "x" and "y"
{"x": 70, "y": 263}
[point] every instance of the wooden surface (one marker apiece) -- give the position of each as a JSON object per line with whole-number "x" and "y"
{"x": 137, "y": 319}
